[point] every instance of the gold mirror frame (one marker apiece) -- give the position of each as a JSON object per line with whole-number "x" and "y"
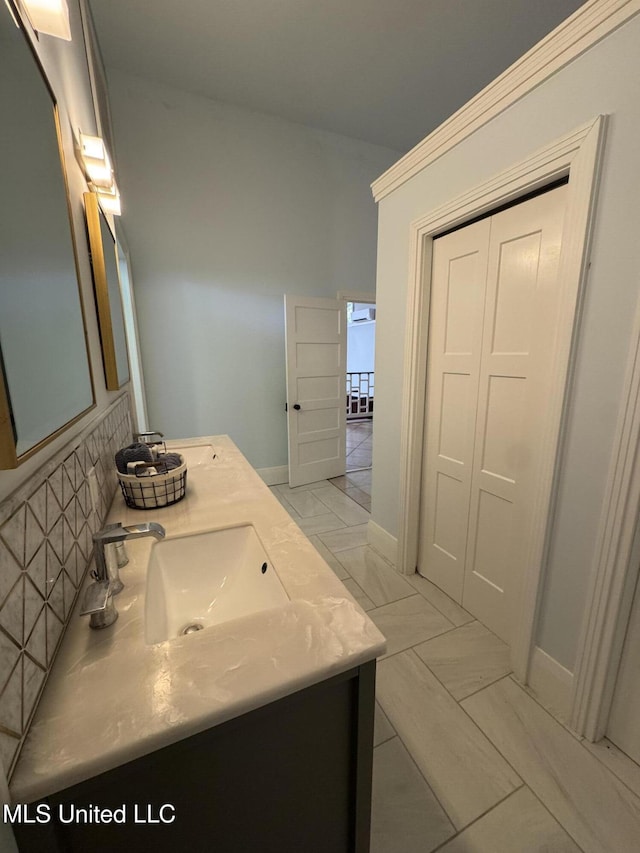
{"x": 8, "y": 456}
{"x": 104, "y": 307}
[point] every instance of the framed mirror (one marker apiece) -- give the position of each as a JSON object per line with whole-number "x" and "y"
{"x": 139, "y": 408}
{"x": 45, "y": 380}
{"x": 106, "y": 283}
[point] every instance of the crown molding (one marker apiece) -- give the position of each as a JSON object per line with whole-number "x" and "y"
{"x": 587, "y": 26}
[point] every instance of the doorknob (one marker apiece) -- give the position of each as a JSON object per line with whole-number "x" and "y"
{"x": 297, "y": 407}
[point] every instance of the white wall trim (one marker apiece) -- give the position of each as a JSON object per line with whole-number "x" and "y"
{"x": 552, "y": 683}
{"x": 615, "y": 569}
{"x": 274, "y": 476}
{"x": 587, "y": 26}
{"x": 578, "y": 155}
{"x": 382, "y": 542}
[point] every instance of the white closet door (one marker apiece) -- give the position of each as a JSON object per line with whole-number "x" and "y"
{"x": 521, "y": 318}
{"x": 494, "y": 317}
{"x": 456, "y": 320}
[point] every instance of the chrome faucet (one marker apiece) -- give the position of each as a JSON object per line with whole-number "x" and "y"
{"x": 113, "y": 534}
{"x": 98, "y": 598}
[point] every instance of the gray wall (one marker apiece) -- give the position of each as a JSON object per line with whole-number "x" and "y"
{"x": 225, "y": 211}
{"x": 604, "y": 80}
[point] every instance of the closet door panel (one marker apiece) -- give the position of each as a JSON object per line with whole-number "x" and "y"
{"x": 521, "y": 314}
{"x": 457, "y": 307}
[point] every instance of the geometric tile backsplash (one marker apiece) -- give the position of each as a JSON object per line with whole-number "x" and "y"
{"x": 46, "y": 546}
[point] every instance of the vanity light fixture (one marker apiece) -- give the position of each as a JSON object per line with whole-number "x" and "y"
{"x": 97, "y": 167}
{"x": 95, "y": 160}
{"x": 49, "y": 16}
{"x": 108, "y": 198}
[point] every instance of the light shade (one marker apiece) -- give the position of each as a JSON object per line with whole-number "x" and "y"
{"x": 95, "y": 160}
{"x": 50, "y": 17}
{"x": 109, "y": 199}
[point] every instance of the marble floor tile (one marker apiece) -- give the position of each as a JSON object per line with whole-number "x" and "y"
{"x": 519, "y": 824}
{"x": 285, "y": 503}
{"x": 357, "y": 592}
{"x": 408, "y": 622}
{"x": 285, "y": 489}
{"x": 382, "y": 728}
{"x": 353, "y": 444}
{"x": 328, "y": 557}
{"x": 340, "y": 482}
{"x": 348, "y": 537}
{"x": 405, "y": 815}
{"x": 305, "y": 503}
{"x": 362, "y": 479}
{"x": 467, "y": 659}
{"x": 466, "y": 773}
{"x": 620, "y": 764}
{"x": 596, "y": 809}
{"x": 359, "y": 459}
{"x": 317, "y": 524}
{"x": 380, "y": 581}
{"x": 358, "y": 495}
{"x": 358, "y": 431}
{"x": 440, "y": 600}
{"x": 337, "y": 502}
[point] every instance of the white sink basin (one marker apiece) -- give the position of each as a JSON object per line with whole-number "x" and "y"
{"x": 204, "y": 579}
{"x": 195, "y": 454}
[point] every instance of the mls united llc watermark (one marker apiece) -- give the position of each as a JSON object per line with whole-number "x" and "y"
{"x": 70, "y": 813}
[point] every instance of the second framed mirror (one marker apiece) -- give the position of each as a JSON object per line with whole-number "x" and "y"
{"x": 106, "y": 282}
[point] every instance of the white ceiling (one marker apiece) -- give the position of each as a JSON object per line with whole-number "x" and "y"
{"x": 385, "y": 71}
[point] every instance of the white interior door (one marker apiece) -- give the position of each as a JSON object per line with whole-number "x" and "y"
{"x": 518, "y": 318}
{"x": 624, "y": 720}
{"x": 316, "y": 359}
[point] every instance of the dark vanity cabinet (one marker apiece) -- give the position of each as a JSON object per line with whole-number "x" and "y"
{"x": 291, "y": 777}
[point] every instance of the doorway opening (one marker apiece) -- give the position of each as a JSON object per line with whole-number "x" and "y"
{"x": 360, "y": 388}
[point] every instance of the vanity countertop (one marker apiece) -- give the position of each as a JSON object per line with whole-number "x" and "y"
{"x": 111, "y": 698}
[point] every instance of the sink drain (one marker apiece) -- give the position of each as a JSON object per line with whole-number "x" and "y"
{"x": 192, "y": 628}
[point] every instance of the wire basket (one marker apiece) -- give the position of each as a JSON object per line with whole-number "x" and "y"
{"x": 151, "y": 491}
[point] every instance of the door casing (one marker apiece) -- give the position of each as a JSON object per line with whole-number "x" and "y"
{"x": 576, "y": 156}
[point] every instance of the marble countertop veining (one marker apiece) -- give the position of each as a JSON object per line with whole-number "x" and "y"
{"x": 112, "y": 698}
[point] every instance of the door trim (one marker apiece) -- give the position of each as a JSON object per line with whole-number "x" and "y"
{"x": 578, "y": 156}
{"x": 615, "y": 571}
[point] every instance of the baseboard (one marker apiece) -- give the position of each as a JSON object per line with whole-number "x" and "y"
{"x": 274, "y": 476}
{"x": 382, "y": 542}
{"x": 551, "y": 683}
